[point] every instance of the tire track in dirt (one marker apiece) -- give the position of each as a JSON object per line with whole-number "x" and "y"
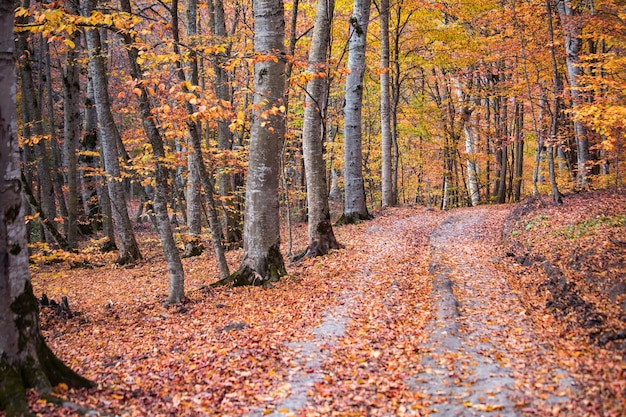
{"x": 481, "y": 355}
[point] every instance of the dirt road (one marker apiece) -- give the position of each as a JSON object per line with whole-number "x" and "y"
{"x": 428, "y": 325}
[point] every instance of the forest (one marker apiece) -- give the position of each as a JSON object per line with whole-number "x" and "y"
{"x": 237, "y": 174}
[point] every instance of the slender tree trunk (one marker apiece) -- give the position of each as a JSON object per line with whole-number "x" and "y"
{"x": 55, "y": 153}
{"x": 25, "y": 359}
{"x": 89, "y": 163}
{"x": 540, "y": 145}
{"x": 263, "y": 261}
{"x": 552, "y": 133}
{"x": 128, "y": 248}
{"x": 320, "y": 230}
{"x": 355, "y": 208}
{"x": 71, "y": 132}
{"x": 388, "y": 197}
{"x": 194, "y": 130}
{"x": 224, "y": 135}
{"x": 194, "y": 200}
{"x": 519, "y": 151}
{"x": 174, "y": 264}
{"x": 33, "y": 117}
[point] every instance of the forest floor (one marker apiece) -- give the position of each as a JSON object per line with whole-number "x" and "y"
{"x": 495, "y": 310}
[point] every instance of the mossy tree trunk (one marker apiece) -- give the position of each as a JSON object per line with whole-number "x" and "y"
{"x": 25, "y": 359}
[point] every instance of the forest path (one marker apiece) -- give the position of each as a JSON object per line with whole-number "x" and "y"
{"x": 483, "y": 354}
{"x": 428, "y": 325}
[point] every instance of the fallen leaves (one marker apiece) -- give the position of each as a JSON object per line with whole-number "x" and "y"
{"x": 233, "y": 351}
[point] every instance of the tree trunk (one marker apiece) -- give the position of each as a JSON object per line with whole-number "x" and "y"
{"x": 128, "y": 248}
{"x": 194, "y": 200}
{"x": 519, "y": 151}
{"x": 55, "y": 153}
{"x": 552, "y": 133}
{"x": 355, "y": 208}
{"x": 89, "y": 163}
{"x": 174, "y": 264}
{"x": 224, "y": 135}
{"x": 571, "y": 24}
{"x": 194, "y": 130}
{"x": 263, "y": 262}
{"x": 320, "y": 230}
{"x": 33, "y": 126}
{"x": 71, "y": 132}
{"x": 25, "y": 359}
{"x": 388, "y": 197}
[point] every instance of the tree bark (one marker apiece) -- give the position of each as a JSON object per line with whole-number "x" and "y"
{"x": 570, "y": 22}
{"x": 71, "y": 132}
{"x": 355, "y": 208}
{"x": 388, "y": 197}
{"x": 320, "y": 231}
{"x": 25, "y": 359}
{"x": 128, "y": 248}
{"x": 194, "y": 200}
{"x": 263, "y": 262}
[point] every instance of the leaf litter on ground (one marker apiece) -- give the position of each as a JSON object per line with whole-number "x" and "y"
{"x": 234, "y": 351}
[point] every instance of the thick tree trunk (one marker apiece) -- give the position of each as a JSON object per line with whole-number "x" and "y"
{"x": 355, "y": 208}
{"x": 128, "y": 248}
{"x": 571, "y": 23}
{"x": 320, "y": 230}
{"x": 263, "y": 262}
{"x": 25, "y": 359}
{"x": 174, "y": 264}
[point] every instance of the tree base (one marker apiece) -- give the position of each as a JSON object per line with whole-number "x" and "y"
{"x": 271, "y": 269}
{"x": 39, "y": 368}
{"x": 352, "y": 218}
{"x": 326, "y": 242}
{"x": 193, "y": 248}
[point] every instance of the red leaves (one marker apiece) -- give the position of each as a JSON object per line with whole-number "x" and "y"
{"x": 365, "y": 311}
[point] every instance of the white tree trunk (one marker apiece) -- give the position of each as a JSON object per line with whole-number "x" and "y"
{"x": 320, "y": 230}
{"x": 354, "y": 200}
{"x": 388, "y": 197}
{"x": 263, "y": 261}
{"x": 570, "y": 21}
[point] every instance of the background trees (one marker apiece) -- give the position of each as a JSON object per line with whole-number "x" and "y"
{"x": 475, "y": 90}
